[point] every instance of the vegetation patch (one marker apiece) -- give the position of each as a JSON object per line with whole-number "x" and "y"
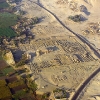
{"x": 6, "y": 21}
{"x": 77, "y": 18}
{"x": 60, "y": 94}
{"x": 7, "y": 31}
{"x": 33, "y": 86}
{"x": 4, "y": 5}
{"x": 45, "y": 96}
{"x": 19, "y": 94}
{"x": 7, "y": 71}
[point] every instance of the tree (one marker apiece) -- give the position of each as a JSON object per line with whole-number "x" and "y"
{"x": 33, "y": 86}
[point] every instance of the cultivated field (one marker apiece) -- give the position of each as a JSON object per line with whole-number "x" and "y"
{"x": 6, "y": 21}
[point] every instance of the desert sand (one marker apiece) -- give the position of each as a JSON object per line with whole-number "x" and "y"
{"x": 69, "y": 61}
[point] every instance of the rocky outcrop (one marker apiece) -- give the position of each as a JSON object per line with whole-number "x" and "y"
{"x": 9, "y": 58}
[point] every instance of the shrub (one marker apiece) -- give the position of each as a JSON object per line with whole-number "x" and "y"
{"x": 33, "y": 86}
{"x": 76, "y": 18}
{"x": 19, "y": 94}
{"x": 35, "y": 20}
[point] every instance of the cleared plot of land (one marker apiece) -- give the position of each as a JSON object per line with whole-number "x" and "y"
{"x": 6, "y": 94}
{"x": 15, "y": 84}
{"x": 3, "y": 64}
{"x": 10, "y": 85}
{"x": 2, "y": 83}
{"x": 7, "y": 20}
{"x": 15, "y": 89}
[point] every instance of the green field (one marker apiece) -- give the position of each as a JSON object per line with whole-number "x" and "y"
{"x": 7, "y": 70}
{"x": 3, "y": 5}
{"x": 19, "y": 94}
{"x": 7, "y": 20}
{"x": 7, "y": 32}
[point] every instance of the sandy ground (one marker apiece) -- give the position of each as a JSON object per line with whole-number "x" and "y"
{"x": 71, "y": 74}
{"x": 94, "y": 16}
